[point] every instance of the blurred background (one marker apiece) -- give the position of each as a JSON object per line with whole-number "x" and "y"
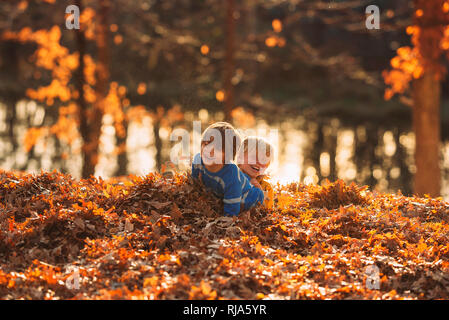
{"x": 338, "y": 99}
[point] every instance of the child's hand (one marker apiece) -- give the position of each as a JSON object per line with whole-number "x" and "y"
{"x": 255, "y": 183}
{"x": 268, "y": 192}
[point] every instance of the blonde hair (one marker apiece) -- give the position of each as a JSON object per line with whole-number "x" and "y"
{"x": 252, "y": 145}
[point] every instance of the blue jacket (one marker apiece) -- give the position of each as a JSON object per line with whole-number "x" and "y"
{"x": 230, "y": 184}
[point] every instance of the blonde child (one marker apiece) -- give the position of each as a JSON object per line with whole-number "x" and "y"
{"x": 254, "y": 158}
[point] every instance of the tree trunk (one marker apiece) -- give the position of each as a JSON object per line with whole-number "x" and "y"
{"x": 157, "y": 144}
{"x": 83, "y": 116}
{"x": 360, "y": 152}
{"x": 401, "y": 162}
{"x": 57, "y": 160}
{"x": 317, "y": 149}
{"x": 229, "y": 60}
{"x": 426, "y": 95}
{"x": 372, "y": 135}
{"x": 252, "y": 65}
{"x": 331, "y": 146}
{"x": 426, "y": 125}
{"x": 11, "y": 118}
{"x": 91, "y": 120}
{"x": 122, "y": 158}
{"x": 12, "y": 56}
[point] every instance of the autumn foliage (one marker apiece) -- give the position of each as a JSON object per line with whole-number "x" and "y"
{"x": 419, "y": 70}
{"x": 159, "y": 238}
{"x": 430, "y": 42}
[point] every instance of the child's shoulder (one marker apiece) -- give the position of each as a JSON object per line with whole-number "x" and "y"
{"x": 234, "y": 173}
{"x": 231, "y": 168}
{"x": 197, "y": 159}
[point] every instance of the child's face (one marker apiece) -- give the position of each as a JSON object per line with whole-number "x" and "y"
{"x": 212, "y": 156}
{"x": 253, "y": 168}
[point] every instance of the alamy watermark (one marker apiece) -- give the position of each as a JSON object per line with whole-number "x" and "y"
{"x": 372, "y": 20}
{"x": 73, "y": 281}
{"x": 373, "y": 17}
{"x": 372, "y": 277}
{"x": 73, "y": 20}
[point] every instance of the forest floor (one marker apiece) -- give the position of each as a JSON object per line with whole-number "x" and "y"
{"x": 157, "y": 238}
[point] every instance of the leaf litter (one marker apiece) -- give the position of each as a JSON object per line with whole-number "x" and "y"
{"x": 154, "y": 237}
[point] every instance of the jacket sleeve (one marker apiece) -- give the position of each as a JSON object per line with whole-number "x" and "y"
{"x": 253, "y": 196}
{"x": 232, "y": 198}
{"x": 195, "y": 166}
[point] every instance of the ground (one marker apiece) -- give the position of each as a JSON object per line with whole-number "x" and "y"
{"x": 165, "y": 238}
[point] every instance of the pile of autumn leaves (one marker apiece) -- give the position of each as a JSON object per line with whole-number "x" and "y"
{"x": 164, "y": 238}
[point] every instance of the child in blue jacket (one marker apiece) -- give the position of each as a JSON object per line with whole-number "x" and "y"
{"x": 216, "y": 168}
